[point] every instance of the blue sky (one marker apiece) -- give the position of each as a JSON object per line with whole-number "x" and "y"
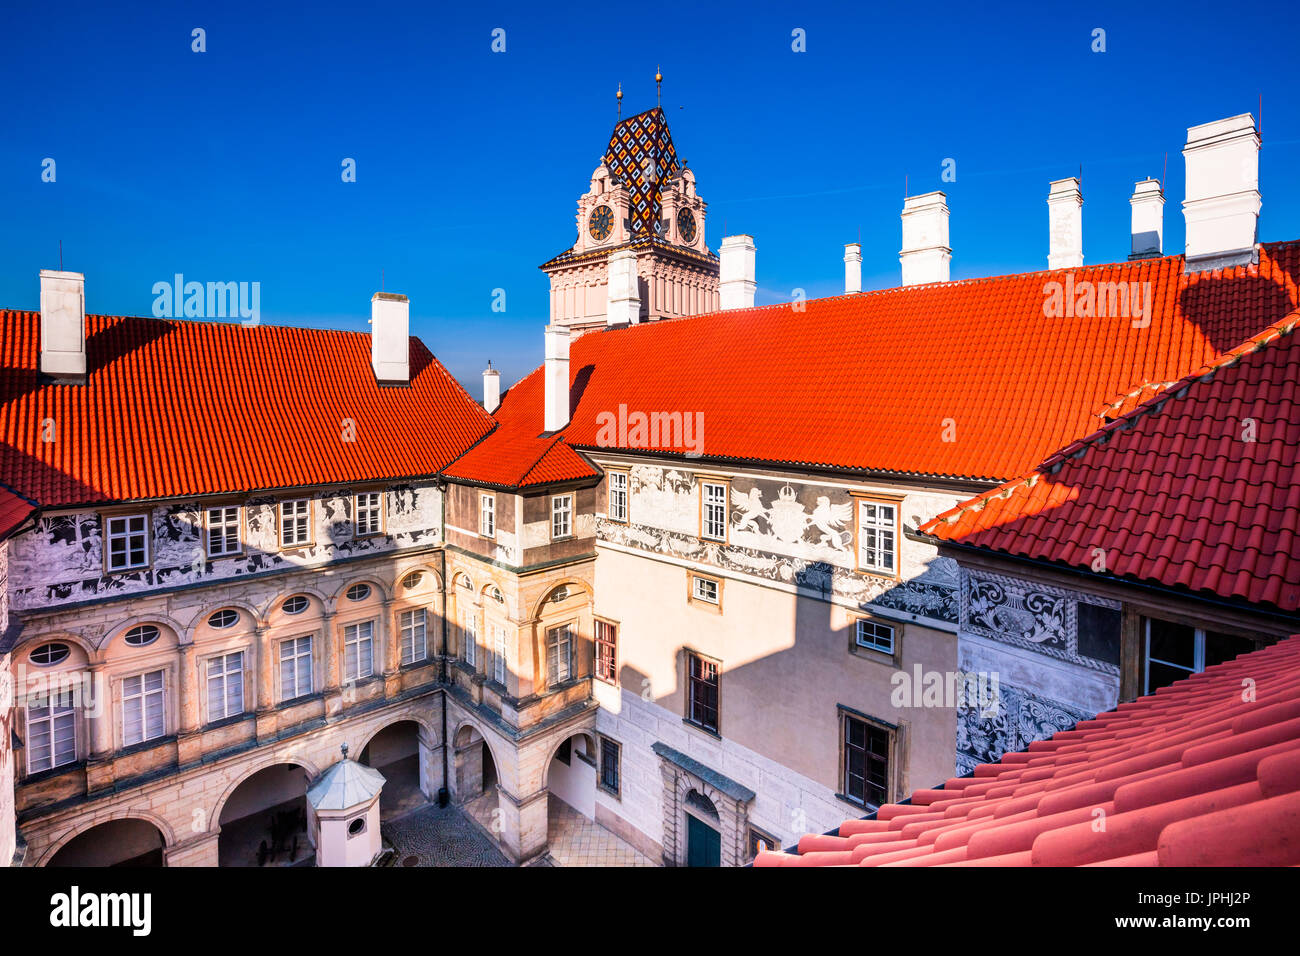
{"x": 225, "y": 165}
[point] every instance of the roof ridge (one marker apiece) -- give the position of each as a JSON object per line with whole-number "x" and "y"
{"x": 1126, "y": 422}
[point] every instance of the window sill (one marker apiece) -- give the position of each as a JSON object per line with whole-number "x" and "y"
{"x": 610, "y": 793}
{"x": 857, "y": 804}
{"x": 42, "y": 775}
{"x": 701, "y": 728}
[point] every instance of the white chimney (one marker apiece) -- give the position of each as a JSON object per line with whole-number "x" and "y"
{"x": 736, "y": 282}
{"x": 491, "y": 388}
{"x": 557, "y": 377}
{"x": 63, "y": 324}
{"x": 624, "y": 301}
{"x": 1222, "y": 205}
{"x": 1148, "y": 204}
{"x": 925, "y": 255}
{"x": 853, "y": 267}
{"x": 1065, "y": 224}
{"x": 390, "y": 338}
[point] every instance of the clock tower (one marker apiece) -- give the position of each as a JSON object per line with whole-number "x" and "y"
{"x": 640, "y": 252}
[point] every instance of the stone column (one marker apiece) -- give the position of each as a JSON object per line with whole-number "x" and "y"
{"x": 523, "y": 824}
{"x": 391, "y": 656}
{"x": 189, "y": 709}
{"x": 100, "y": 717}
{"x": 200, "y": 851}
{"x": 330, "y": 684}
{"x": 266, "y": 654}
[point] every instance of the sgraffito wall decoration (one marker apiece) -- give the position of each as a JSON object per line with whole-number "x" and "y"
{"x": 60, "y": 561}
{"x": 798, "y": 533}
{"x": 1024, "y": 634}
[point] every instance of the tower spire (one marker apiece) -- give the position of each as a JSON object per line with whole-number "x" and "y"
{"x": 619, "y": 96}
{"x": 659, "y": 79}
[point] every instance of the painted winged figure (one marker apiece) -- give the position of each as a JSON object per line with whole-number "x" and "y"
{"x": 829, "y": 520}
{"x": 750, "y": 507}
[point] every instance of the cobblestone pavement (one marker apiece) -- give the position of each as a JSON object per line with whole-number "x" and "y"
{"x": 440, "y": 836}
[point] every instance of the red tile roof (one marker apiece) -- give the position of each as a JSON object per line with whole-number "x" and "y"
{"x": 1192, "y": 775}
{"x": 14, "y": 509}
{"x": 1170, "y": 490}
{"x": 185, "y": 408}
{"x": 517, "y": 454}
{"x": 869, "y": 381}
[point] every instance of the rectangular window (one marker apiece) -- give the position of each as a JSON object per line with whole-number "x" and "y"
{"x": 295, "y": 668}
{"x": 144, "y": 716}
{"x": 225, "y": 686}
{"x": 487, "y": 516}
{"x": 128, "y": 542}
{"x": 413, "y": 626}
{"x": 866, "y": 762}
{"x": 703, "y": 693}
{"x": 877, "y": 534}
{"x": 713, "y": 511}
{"x": 561, "y": 516}
{"x": 294, "y": 524}
{"x": 499, "y": 653}
{"x": 559, "y": 648}
{"x": 617, "y": 495}
{"x": 876, "y": 636}
{"x": 469, "y": 634}
{"x": 758, "y": 840}
{"x": 1175, "y": 651}
{"x": 607, "y": 652}
{"x": 223, "y": 531}
{"x": 704, "y": 589}
{"x": 358, "y": 650}
{"x": 609, "y": 765}
{"x": 51, "y": 733}
{"x": 369, "y": 514}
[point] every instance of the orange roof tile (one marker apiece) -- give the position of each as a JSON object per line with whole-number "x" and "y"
{"x": 174, "y": 408}
{"x": 1191, "y": 775}
{"x": 870, "y": 381}
{"x": 1195, "y": 488}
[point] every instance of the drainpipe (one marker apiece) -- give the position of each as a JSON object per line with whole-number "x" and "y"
{"x": 442, "y": 663}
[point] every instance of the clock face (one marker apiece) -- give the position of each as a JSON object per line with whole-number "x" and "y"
{"x": 601, "y": 223}
{"x": 686, "y": 225}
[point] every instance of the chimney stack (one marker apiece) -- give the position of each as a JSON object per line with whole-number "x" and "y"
{"x": 853, "y": 267}
{"x": 624, "y": 302}
{"x": 1222, "y": 205}
{"x": 390, "y": 338}
{"x": 1148, "y": 204}
{"x": 63, "y": 324}
{"x": 1065, "y": 224}
{"x": 557, "y": 377}
{"x": 925, "y": 255}
{"x": 736, "y": 283}
{"x": 491, "y": 388}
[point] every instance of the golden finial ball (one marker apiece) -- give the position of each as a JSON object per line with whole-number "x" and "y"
{"x": 659, "y": 77}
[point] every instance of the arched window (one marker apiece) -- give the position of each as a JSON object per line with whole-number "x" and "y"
{"x": 358, "y": 592}
{"x": 223, "y": 619}
{"x": 412, "y": 580}
{"x": 142, "y": 635}
{"x": 296, "y": 604}
{"x": 49, "y": 654}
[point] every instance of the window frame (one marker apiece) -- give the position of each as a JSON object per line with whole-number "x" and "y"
{"x": 143, "y": 696}
{"x": 487, "y": 509}
{"x": 295, "y": 656}
{"x": 469, "y": 634}
{"x": 403, "y": 638}
{"x": 224, "y": 677}
{"x": 752, "y": 835}
{"x": 626, "y": 478}
{"x": 565, "y": 513}
{"x": 846, "y": 748}
{"x": 145, "y": 534}
{"x": 357, "y": 640}
{"x": 376, "y": 510}
{"x": 1199, "y": 637}
{"x": 704, "y": 504}
{"x": 616, "y": 790}
{"x": 571, "y": 633}
{"x": 605, "y": 665}
{"x": 500, "y": 642}
{"x": 692, "y": 681}
{"x": 53, "y": 711}
{"x": 872, "y": 622}
{"x": 225, "y": 523}
{"x": 282, "y": 526}
{"x": 895, "y": 503}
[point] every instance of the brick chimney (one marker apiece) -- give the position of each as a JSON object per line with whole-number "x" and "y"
{"x": 1222, "y": 204}
{"x": 736, "y": 282}
{"x": 1065, "y": 224}
{"x": 63, "y": 325}
{"x": 390, "y": 338}
{"x": 925, "y": 255}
